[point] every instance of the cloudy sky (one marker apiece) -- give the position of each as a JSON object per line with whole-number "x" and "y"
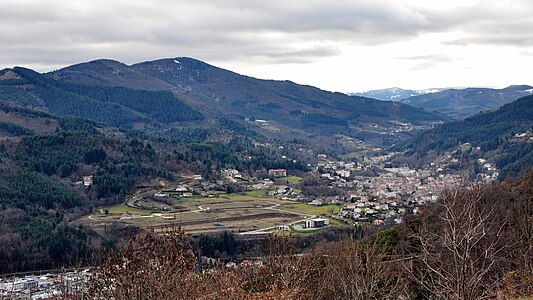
{"x": 338, "y": 45}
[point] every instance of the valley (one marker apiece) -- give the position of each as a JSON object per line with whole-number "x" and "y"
{"x": 96, "y": 152}
{"x": 254, "y": 150}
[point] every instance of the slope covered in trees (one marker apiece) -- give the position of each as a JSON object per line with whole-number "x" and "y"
{"x": 41, "y": 193}
{"x": 113, "y": 106}
{"x": 293, "y": 108}
{"x": 494, "y": 134}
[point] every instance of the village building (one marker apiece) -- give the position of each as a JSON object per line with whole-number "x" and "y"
{"x": 87, "y": 180}
{"x": 277, "y": 172}
{"x": 316, "y": 223}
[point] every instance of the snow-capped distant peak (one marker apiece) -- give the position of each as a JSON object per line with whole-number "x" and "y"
{"x": 396, "y": 94}
{"x": 430, "y": 91}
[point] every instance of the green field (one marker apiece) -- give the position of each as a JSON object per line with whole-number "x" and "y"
{"x": 334, "y": 222}
{"x": 311, "y": 209}
{"x": 258, "y": 194}
{"x": 292, "y": 179}
{"x": 123, "y": 208}
{"x": 241, "y": 197}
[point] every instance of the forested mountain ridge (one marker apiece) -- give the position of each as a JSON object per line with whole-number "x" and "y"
{"x": 292, "y": 109}
{"x": 112, "y": 106}
{"x": 504, "y": 136}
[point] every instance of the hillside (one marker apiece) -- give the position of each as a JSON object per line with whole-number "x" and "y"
{"x": 289, "y": 109}
{"x": 113, "y": 106}
{"x": 43, "y": 159}
{"x": 503, "y": 136}
{"x": 18, "y": 121}
{"x": 462, "y": 103}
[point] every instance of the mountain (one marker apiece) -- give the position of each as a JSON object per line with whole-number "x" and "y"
{"x": 394, "y": 94}
{"x": 113, "y": 106}
{"x": 289, "y": 109}
{"x": 504, "y": 137}
{"x": 461, "y": 103}
{"x": 106, "y": 72}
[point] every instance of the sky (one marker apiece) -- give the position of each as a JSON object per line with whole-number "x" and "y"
{"x": 336, "y": 45}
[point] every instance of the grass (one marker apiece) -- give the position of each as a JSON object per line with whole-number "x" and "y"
{"x": 241, "y": 197}
{"x": 258, "y": 194}
{"x": 307, "y": 231}
{"x": 292, "y": 179}
{"x": 311, "y": 209}
{"x": 334, "y": 222}
{"x": 123, "y": 208}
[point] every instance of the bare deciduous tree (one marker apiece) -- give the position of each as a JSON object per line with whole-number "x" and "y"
{"x": 362, "y": 270}
{"x": 461, "y": 246}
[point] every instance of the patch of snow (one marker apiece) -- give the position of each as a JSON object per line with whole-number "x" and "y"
{"x": 176, "y": 61}
{"x": 430, "y": 91}
{"x": 529, "y": 91}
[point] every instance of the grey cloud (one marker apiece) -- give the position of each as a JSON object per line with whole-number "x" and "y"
{"x": 41, "y": 33}
{"x": 496, "y": 22}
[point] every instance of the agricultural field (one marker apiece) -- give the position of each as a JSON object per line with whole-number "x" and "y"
{"x": 120, "y": 209}
{"x": 251, "y": 211}
{"x": 311, "y": 209}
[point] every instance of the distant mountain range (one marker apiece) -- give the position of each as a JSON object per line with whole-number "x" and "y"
{"x": 394, "y": 94}
{"x": 455, "y": 103}
{"x": 462, "y": 103}
{"x": 172, "y": 92}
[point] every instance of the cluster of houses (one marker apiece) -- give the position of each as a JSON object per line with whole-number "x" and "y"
{"x": 387, "y": 196}
{"x": 47, "y": 286}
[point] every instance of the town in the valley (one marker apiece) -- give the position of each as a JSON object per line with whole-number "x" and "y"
{"x": 362, "y": 191}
